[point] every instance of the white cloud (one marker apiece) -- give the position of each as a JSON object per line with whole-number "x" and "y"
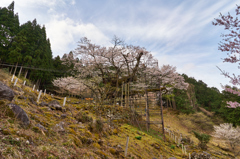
{"x": 64, "y": 34}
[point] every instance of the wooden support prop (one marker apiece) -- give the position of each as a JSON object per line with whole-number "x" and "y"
{"x": 126, "y": 146}
{"x": 189, "y": 156}
{"x": 15, "y": 82}
{"x": 33, "y": 87}
{"x": 122, "y": 94}
{"x": 44, "y": 92}
{"x": 24, "y": 83}
{"x": 39, "y": 95}
{"x": 126, "y": 95}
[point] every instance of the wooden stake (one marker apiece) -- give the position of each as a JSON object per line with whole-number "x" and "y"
{"x": 64, "y": 102}
{"x": 126, "y": 147}
{"x": 39, "y": 95}
{"x": 12, "y": 78}
{"x": 15, "y": 82}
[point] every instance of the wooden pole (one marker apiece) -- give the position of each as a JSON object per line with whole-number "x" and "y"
{"x": 39, "y": 95}
{"x": 147, "y": 106}
{"x": 12, "y": 78}
{"x": 25, "y": 76}
{"x": 147, "y": 110}
{"x": 11, "y": 70}
{"x": 20, "y": 72}
{"x": 160, "y": 98}
{"x": 15, "y": 82}
{"x": 126, "y": 94}
{"x": 122, "y": 94}
{"x": 15, "y": 68}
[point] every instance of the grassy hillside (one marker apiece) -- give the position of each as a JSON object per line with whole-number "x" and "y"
{"x": 82, "y": 129}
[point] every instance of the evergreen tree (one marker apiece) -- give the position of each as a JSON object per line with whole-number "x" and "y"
{"x": 9, "y": 27}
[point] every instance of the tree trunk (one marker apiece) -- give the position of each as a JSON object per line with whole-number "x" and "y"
{"x": 174, "y": 103}
{"x": 170, "y": 103}
{"x": 167, "y": 103}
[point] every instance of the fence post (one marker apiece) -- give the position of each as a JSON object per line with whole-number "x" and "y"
{"x": 24, "y": 83}
{"x": 33, "y": 87}
{"x": 44, "y": 92}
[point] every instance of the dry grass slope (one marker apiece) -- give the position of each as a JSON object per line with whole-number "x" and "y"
{"x": 81, "y": 130}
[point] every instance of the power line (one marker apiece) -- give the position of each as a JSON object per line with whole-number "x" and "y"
{"x": 34, "y": 68}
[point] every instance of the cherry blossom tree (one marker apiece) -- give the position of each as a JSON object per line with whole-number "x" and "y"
{"x": 226, "y": 132}
{"x": 103, "y": 70}
{"x": 230, "y": 44}
{"x": 70, "y": 85}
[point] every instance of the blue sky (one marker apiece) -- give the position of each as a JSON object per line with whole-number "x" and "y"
{"x": 177, "y": 32}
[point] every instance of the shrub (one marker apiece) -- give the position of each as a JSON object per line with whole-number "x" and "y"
{"x": 112, "y": 151}
{"x": 203, "y": 139}
{"x": 138, "y": 137}
{"x": 99, "y": 125}
{"x": 172, "y": 147}
{"x": 83, "y": 117}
